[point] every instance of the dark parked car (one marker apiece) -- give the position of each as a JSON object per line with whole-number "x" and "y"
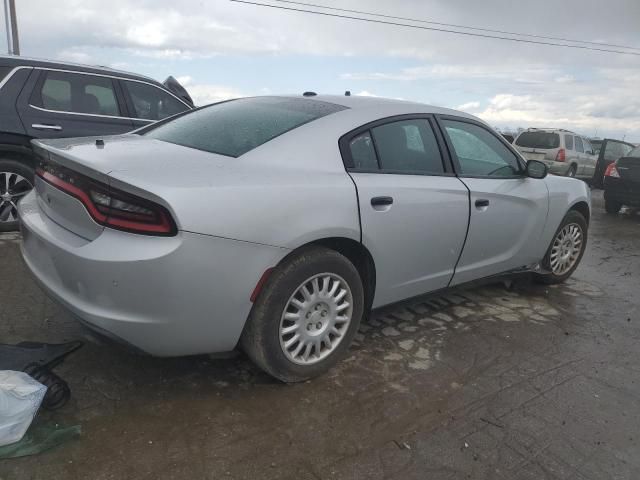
{"x": 608, "y": 151}
{"x": 45, "y": 99}
{"x": 622, "y": 182}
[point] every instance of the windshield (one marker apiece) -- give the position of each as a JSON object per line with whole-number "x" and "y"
{"x": 538, "y": 140}
{"x": 233, "y": 128}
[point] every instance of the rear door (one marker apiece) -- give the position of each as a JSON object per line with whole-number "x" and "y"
{"x": 72, "y": 104}
{"x": 610, "y": 151}
{"x": 414, "y": 211}
{"x": 149, "y": 103}
{"x": 508, "y": 209}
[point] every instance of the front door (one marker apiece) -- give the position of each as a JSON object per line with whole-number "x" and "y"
{"x": 414, "y": 211}
{"x": 508, "y": 209}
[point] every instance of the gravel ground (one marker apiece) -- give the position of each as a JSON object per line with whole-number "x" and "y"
{"x": 487, "y": 383}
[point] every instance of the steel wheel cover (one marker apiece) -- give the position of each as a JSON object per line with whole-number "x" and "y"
{"x": 12, "y": 188}
{"x": 566, "y": 249}
{"x": 316, "y": 319}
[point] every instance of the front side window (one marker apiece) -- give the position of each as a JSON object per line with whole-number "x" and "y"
{"x": 479, "y": 152}
{"x": 152, "y": 103}
{"x": 587, "y": 146}
{"x": 77, "y": 93}
{"x": 579, "y": 146}
{"x": 408, "y": 146}
{"x": 233, "y": 128}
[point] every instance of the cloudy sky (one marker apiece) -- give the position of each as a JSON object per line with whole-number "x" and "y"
{"x": 221, "y": 49}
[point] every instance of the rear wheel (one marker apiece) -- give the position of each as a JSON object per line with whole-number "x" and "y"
{"x": 566, "y": 249}
{"x": 611, "y": 206}
{"x": 306, "y": 316}
{"x": 573, "y": 169}
{"x": 16, "y": 180}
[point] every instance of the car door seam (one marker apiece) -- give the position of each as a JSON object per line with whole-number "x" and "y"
{"x": 355, "y": 186}
{"x": 466, "y": 235}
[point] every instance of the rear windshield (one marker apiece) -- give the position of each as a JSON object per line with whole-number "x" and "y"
{"x": 233, "y": 128}
{"x": 634, "y": 153}
{"x": 538, "y": 140}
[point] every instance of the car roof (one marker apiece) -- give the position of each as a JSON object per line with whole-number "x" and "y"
{"x": 360, "y": 110}
{"x": 357, "y": 102}
{"x": 552, "y": 130}
{"x": 19, "y": 61}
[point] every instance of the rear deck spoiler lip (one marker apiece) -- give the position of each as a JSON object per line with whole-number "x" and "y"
{"x": 44, "y": 150}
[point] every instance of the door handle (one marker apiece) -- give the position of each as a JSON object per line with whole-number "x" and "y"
{"x": 482, "y": 203}
{"x": 42, "y": 126}
{"x": 381, "y": 201}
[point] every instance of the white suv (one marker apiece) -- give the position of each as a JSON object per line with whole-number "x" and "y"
{"x": 564, "y": 152}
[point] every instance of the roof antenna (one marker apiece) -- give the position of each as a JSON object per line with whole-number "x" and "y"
{"x": 347, "y": 93}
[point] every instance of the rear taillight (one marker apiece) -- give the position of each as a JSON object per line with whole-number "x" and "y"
{"x": 108, "y": 206}
{"x": 561, "y": 156}
{"x": 612, "y": 171}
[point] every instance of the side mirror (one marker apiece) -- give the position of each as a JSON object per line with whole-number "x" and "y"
{"x": 536, "y": 169}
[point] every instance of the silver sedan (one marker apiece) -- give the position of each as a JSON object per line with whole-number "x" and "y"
{"x": 277, "y": 223}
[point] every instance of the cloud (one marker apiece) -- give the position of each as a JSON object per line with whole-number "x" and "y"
{"x": 511, "y": 82}
{"x": 204, "y": 94}
{"x": 468, "y": 106}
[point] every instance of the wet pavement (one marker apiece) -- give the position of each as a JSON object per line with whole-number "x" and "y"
{"x": 488, "y": 383}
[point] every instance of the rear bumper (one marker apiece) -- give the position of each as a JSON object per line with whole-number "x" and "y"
{"x": 167, "y": 296}
{"x": 618, "y": 190}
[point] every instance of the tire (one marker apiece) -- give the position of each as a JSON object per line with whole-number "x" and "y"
{"x": 19, "y": 178}
{"x": 572, "y": 218}
{"x": 573, "y": 169}
{"x": 612, "y": 207}
{"x": 262, "y": 340}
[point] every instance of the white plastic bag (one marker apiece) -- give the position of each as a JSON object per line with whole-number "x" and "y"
{"x": 20, "y": 398}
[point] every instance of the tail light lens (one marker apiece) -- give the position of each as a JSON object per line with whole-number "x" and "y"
{"x": 108, "y": 206}
{"x": 612, "y": 171}
{"x": 561, "y": 156}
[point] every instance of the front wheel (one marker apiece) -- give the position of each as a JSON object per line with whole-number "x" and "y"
{"x": 16, "y": 180}
{"x": 306, "y": 316}
{"x": 573, "y": 169}
{"x": 566, "y": 249}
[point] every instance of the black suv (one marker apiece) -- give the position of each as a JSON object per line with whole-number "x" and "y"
{"x": 45, "y": 99}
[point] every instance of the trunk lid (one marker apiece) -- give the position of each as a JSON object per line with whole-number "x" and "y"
{"x": 629, "y": 170}
{"x": 150, "y": 169}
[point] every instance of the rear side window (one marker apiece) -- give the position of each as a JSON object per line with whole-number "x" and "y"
{"x": 233, "y": 128}
{"x": 152, "y": 103}
{"x": 78, "y": 93}
{"x": 543, "y": 140}
{"x": 568, "y": 142}
{"x": 363, "y": 152}
{"x": 579, "y": 146}
{"x": 408, "y": 146}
